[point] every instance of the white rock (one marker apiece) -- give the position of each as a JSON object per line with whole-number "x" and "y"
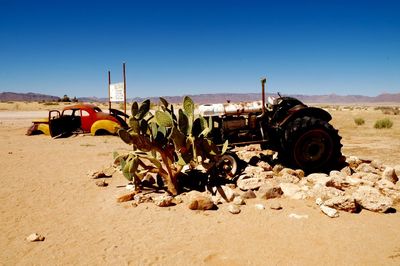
{"x": 318, "y": 178}
{"x": 377, "y": 164}
{"x": 163, "y": 201}
{"x": 390, "y": 175}
{"x": 353, "y": 161}
{"x": 269, "y": 191}
{"x": 371, "y": 199}
{"x": 371, "y": 177}
{"x": 385, "y": 184}
{"x": 259, "y": 206}
{"x": 323, "y": 192}
{"x": 234, "y": 209}
{"x": 344, "y": 203}
{"x": 366, "y": 168}
{"x": 319, "y": 201}
{"x": 292, "y": 191}
{"x": 331, "y": 212}
{"x": 397, "y": 170}
{"x": 35, "y": 237}
{"x": 286, "y": 178}
{"x": 298, "y": 216}
{"x": 227, "y": 194}
{"x": 246, "y": 182}
{"x": 238, "y": 200}
{"x": 130, "y": 187}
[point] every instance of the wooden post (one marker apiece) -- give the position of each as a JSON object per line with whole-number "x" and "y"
{"x": 109, "y": 96}
{"x": 123, "y": 70}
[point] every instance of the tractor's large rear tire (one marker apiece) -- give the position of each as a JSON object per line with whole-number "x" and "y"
{"x": 311, "y": 144}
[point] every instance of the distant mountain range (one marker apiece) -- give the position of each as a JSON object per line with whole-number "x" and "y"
{"x": 218, "y": 98}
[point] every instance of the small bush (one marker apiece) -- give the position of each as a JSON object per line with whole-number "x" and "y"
{"x": 50, "y": 103}
{"x": 359, "y": 121}
{"x": 383, "y": 123}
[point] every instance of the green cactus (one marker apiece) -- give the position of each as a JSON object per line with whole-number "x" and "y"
{"x": 163, "y": 143}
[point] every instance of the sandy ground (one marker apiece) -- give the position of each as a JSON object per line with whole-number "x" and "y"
{"x": 45, "y": 189}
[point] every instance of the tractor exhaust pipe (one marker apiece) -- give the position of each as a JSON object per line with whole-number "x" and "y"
{"x": 263, "y": 81}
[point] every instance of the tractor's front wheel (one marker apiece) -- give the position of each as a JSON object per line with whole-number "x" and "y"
{"x": 311, "y": 144}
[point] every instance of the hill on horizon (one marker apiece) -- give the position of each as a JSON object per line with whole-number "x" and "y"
{"x": 217, "y": 98}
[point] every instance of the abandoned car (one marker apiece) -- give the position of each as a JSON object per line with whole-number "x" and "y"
{"x": 80, "y": 118}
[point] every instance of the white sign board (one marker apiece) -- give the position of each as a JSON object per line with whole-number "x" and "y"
{"x": 117, "y": 92}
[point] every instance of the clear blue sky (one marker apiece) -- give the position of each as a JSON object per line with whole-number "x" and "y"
{"x": 191, "y": 47}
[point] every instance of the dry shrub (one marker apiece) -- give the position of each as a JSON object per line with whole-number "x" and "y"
{"x": 359, "y": 121}
{"x": 383, "y": 123}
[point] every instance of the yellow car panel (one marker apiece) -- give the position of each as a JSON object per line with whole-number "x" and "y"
{"x": 107, "y": 125}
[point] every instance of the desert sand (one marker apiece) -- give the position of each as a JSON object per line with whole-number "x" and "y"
{"x": 46, "y": 190}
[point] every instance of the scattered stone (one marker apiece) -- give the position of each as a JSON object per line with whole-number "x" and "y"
{"x": 101, "y": 183}
{"x": 35, "y": 237}
{"x": 177, "y": 200}
{"x": 238, "y": 200}
{"x": 289, "y": 171}
{"x": 338, "y": 181}
{"x": 344, "y": 203}
{"x": 247, "y": 182}
{"x": 269, "y": 191}
{"x": 226, "y": 193}
{"x": 353, "y": 161}
{"x": 234, "y": 209}
{"x": 264, "y": 165}
{"x": 98, "y": 174}
{"x": 319, "y": 201}
{"x": 201, "y": 202}
{"x": 390, "y": 175}
{"x": 384, "y": 184}
{"x": 126, "y": 197}
{"x": 377, "y": 164}
{"x": 366, "y": 168}
{"x": 346, "y": 171}
{"x": 259, "y": 206}
{"x": 318, "y": 178}
{"x": 164, "y": 201}
{"x": 371, "y": 199}
{"x": 292, "y": 191}
{"x": 323, "y": 192}
{"x": 130, "y": 187}
{"x": 299, "y": 173}
{"x": 286, "y": 178}
{"x": 277, "y": 168}
{"x": 397, "y": 170}
{"x": 331, "y": 212}
{"x": 298, "y": 216}
{"x": 370, "y": 177}
{"x": 249, "y": 194}
{"x": 275, "y": 206}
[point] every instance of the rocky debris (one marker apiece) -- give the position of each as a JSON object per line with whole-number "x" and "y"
{"x": 259, "y": 206}
{"x": 249, "y": 194}
{"x": 277, "y": 168}
{"x": 324, "y": 192}
{"x": 338, "y": 181}
{"x": 371, "y": 199}
{"x": 238, "y": 200}
{"x": 264, "y": 165}
{"x": 367, "y": 178}
{"x": 377, "y": 164}
{"x": 269, "y": 191}
{"x": 286, "y": 178}
{"x": 98, "y": 174}
{"x": 200, "y": 201}
{"x": 343, "y": 203}
{"x": 331, "y": 212}
{"x": 227, "y": 193}
{"x": 292, "y": 191}
{"x": 246, "y": 182}
{"x": 397, "y": 170}
{"x": 353, "y": 161}
{"x": 275, "y": 206}
{"x": 101, "y": 183}
{"x": 298, "y": 216}
{"x": 367, "y": 168}
{"x": 35, "y": 237}
{"x": 390, "y": 175}
{"x": 164, "y": 201}
{"x": 234, "y": 209}
{"x": 318, "y": 178}
{"x": 347, "y": 171}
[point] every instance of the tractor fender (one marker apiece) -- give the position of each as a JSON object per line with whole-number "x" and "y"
{"x": 306, "y": 111}
{"x": 107, "y": 125}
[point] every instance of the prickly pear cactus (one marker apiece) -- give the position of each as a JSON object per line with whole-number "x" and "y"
{"x": 164, "y": 142}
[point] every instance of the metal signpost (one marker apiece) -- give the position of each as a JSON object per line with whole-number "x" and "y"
{"x": 117, "y": 91}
